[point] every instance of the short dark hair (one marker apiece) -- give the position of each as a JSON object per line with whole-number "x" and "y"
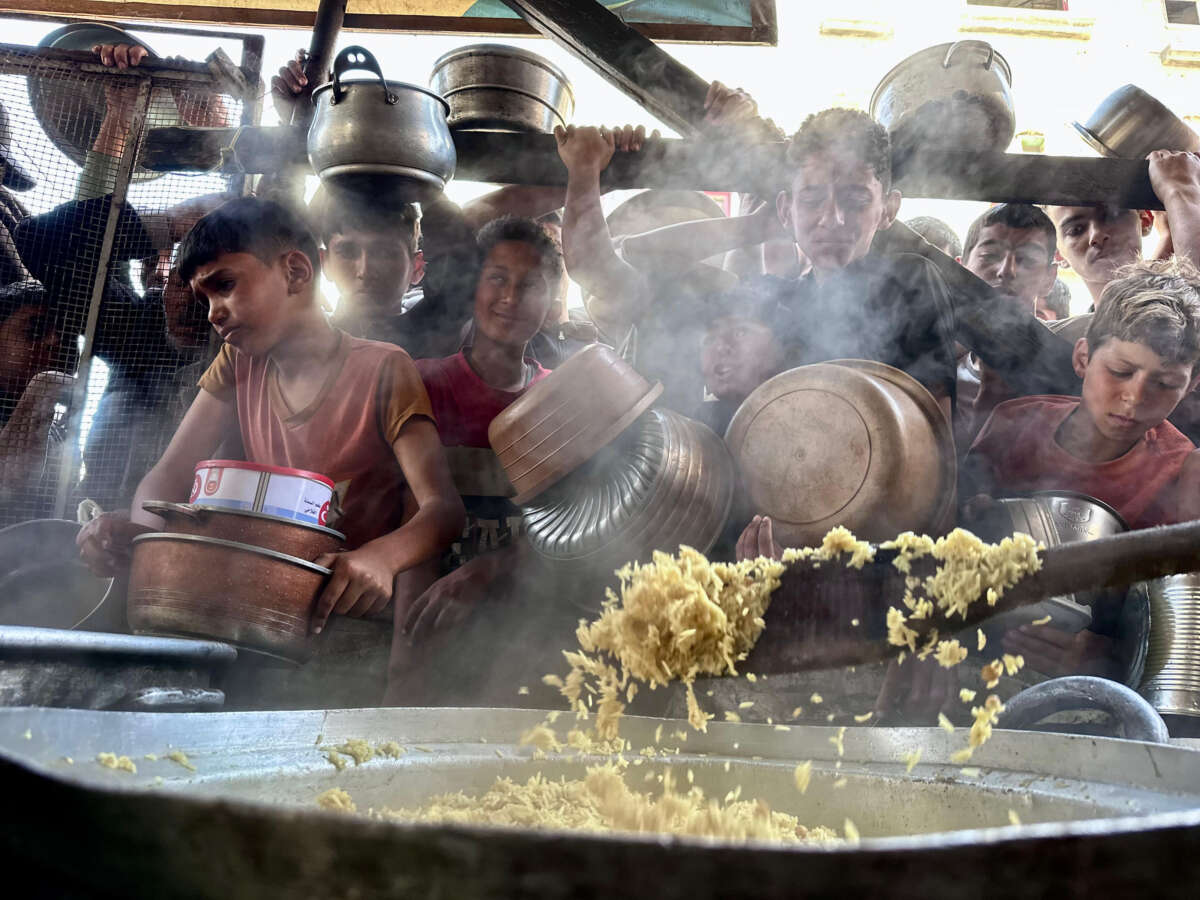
{"x": 334, "y": 211}
{"x": 844, "y": 131}
{"x": 252, "y": 225}
{"x": 1058, "y": 301}
{"x": 528, "y": 231}
{"x": 1014, "y": 215}
{"x": 937, "y": 233}
{"x": 1156, "y": 303}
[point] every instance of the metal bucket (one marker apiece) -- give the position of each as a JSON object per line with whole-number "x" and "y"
{"x": 1172, "y": 680}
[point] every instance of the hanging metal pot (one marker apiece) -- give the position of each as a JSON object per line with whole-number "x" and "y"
{"x": 957, "y": 96}
{"x": 383, "y": 137}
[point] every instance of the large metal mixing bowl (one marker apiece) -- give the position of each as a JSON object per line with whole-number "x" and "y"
{"x": 1098, "y": 814}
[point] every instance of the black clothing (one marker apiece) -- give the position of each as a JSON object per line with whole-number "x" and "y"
{"x": 894, "y": 310}
{"x": 61, "y": 249}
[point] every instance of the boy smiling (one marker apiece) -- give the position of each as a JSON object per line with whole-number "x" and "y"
{"x": 1137, "y": 363}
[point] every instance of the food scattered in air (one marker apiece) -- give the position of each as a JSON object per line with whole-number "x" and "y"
{"x": 946, "y": 724}
{"x": 1044, "y": 620}
{"x": 802, "y": 775}
{"x": 911, "y": 759}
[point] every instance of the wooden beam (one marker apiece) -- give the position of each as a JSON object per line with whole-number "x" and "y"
{"x": 634, "y": 64}
{"x": 498, "y": 158}
{"x": 763, "y": 31}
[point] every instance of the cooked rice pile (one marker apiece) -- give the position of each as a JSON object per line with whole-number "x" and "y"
{"x": 602, "y": 802}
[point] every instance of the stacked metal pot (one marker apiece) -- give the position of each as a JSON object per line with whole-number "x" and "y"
{"x": 238, "y": 565}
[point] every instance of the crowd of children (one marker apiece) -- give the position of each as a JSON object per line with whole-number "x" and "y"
{"x": 447, "y": 315}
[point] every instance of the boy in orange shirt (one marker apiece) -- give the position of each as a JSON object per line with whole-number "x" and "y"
{"x": 1137, "y": 363}
{"x": 302, "y": 394}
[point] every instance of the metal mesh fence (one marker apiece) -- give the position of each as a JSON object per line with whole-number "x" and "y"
{"x": 100, "y": 347}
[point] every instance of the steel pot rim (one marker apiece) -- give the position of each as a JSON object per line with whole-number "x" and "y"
{"x": 1071, "y": 495}
{"x": 159, "y": 507}
{"x": 233, "y": 545}
{"x": 21, "y": 639}
{"x": 527, "y": 56}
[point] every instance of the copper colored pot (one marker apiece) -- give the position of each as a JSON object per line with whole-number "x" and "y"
{"x": 848, "y": 442}
{"x": 245, "y": 527}
{"x": 565, "y": 419}
{"x": 256, "y": 599}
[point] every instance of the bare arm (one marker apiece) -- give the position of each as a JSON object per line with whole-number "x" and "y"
{"x": 1175, "y": 177}
{"x": 105, "y": 543}
{"x": 363, "y": 579}
{"x": 528, "y": 201}
{"x": 677, "y": 248}
{"x": 617, "y": 289}
{"x": 208, "y": 421}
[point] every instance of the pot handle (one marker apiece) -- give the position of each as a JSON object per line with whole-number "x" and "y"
{"x": 949, "y": 53}
{"x": 163, "y": 508}
{"x": 356, "y": 57}
{"x": 1137, "y": 718}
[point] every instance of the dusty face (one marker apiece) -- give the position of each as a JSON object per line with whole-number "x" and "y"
{"x": 28, "y": 345}
{"x": 1014, "y": 260}
{"x": 372, "y": 270}
{"x": 834, "y": 208}
{"x": 251, "y": 304}
{"x": 513, "y": 295}
{"x": 737, "y": 355}
{"x": 1128, "y": 388}
{"x": 1098, "y": 240}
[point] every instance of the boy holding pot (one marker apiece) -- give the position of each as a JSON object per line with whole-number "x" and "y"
{"x": 302, "y": 394}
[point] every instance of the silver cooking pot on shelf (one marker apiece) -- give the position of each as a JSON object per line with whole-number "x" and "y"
{"x": 386, "y": 138}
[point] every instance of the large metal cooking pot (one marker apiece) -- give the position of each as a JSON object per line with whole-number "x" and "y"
{"x": 498, "y": 88}
{"x": 957, "y": 96}
{"x": 288, "y": 536}
{"x": 848, "y": 442}
{"x": 256, "y": 599}
{"x": 1129, "y": 123}
{"x": 668, "y": 481}
{"x": 378, "y": 136}
{"x": 1098, "y": 816}
{"x": 87, "y": 670}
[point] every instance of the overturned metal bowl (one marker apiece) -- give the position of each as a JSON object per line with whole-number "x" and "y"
{"x": 493, "y": 87}
{"x": 256, "y": 599}
{"x": 848, "y": 442}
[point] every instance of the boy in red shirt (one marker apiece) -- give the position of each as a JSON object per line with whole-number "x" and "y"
{"x": 1114, "y": 443}
{"x": 519, "y": 279}
{"x": 302, "y": 394}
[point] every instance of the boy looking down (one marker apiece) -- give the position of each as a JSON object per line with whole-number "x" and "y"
{"x": 302, "y": 394}
{"x": 1113, "y": 443}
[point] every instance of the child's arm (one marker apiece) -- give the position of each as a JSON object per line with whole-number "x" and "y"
{"x": 362, "y": 579}
{"x": 1187, "y": 489}
{"x": 105, "y": 542}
